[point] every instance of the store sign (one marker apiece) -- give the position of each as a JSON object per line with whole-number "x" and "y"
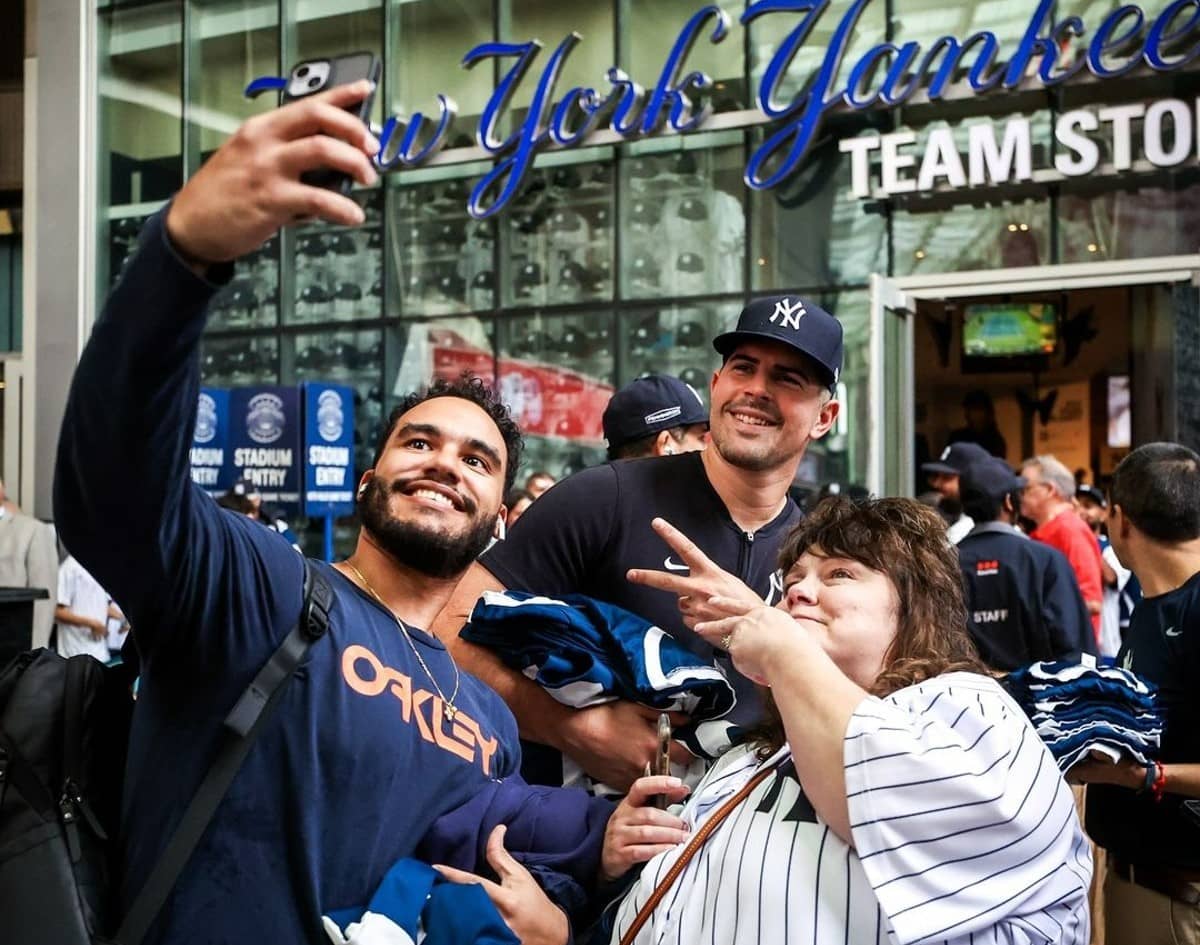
{"x": 265, "y": 441}
{"x": 328, "y": 449}
{"x": 886, "y": 75}
{"x": 999, "y": 154}
{"x": 210, "y": 440}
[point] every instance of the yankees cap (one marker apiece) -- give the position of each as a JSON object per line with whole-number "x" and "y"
{"x": 955, "y": 458}
{"x": 793, "y": 321}
{"x": 648, "y": 406}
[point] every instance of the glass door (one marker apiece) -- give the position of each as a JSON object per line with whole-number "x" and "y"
{"x": 890, "y": 459}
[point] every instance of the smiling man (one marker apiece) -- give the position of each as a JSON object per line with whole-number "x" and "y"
{"x": 379, "y": 736}
{"x": 593, "y": 533}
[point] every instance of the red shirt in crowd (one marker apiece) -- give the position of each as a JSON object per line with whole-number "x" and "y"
{"x": 1069, "y": 534}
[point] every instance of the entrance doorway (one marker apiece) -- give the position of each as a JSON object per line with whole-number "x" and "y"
{"x": 1077, "y": 361}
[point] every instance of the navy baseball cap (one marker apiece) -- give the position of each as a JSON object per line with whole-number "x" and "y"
{"x": 793, "y": 321}
{"x": 650, "y": 405}
{"x": 1087, "y": 491}
{"x": 956, "y": 457}
{"x": 989, "y": 476}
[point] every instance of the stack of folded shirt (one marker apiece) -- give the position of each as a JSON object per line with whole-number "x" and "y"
{"x": 1079, "y": 709}
{"x": 585, "y": 652}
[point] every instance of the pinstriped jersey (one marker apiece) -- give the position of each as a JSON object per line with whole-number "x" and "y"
{"x": 963, "y": 831}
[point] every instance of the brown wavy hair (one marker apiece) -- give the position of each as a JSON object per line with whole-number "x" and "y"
{"x": 906, "y": 541}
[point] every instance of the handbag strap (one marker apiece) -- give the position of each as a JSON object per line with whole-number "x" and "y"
{"x": 242, "y": 726}
{"x": 689, "y": 851}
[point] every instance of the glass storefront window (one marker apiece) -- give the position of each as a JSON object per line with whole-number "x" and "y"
{"x": 683, "y": 224}
{"x": 841, "y": 455}
{"x": 1132, "y": 224}
{"x": 231, "y": 43}
{"x": 442, "y": 261}
{"x": 141, "y": 103}
{"x": 428, "y": 41}
{"x": 317, "y": 29}
{"x": 556, "y": 375}
{"x": 236, "y": 362}
{"x": 674, "y": 340}
{"x": 557, "y": 237}
{"x": 338, "y": 271}
{"x": 811, "y": 231}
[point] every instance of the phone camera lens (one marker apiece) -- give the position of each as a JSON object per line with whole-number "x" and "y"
{"x": 302, "y": 72}
{"x": 314, "y": 82}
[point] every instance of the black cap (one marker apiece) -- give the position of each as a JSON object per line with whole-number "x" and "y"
{"x": 989, "y": 476}
{"x": 1086, "y": 491}
{"x": 648, "y": 406}
{"x": 795, "y": 322}
{"x": 957, "y": 457}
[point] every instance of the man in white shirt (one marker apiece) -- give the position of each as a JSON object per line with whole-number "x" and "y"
{"x": 82, "y": 613}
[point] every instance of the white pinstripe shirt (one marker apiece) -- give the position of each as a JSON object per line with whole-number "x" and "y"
{"x": 964, "y": 832}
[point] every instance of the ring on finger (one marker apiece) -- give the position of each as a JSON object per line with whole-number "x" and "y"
{"x": 726, "y": 641}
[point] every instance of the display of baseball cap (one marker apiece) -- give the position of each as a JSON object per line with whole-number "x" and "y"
{"x": 794, "y": 321}
{"x": 989, "y": 476}
{"x": 957, "y": 457}
{"x": 1092, "y": 494}
{"x": 648, "y": 406}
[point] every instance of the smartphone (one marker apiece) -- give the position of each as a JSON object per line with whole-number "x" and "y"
{"x": 662, "y": 758}
{"x": 316, "y": 75}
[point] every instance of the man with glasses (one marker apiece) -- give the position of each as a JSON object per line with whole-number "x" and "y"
{"x": 1048, "y": 500}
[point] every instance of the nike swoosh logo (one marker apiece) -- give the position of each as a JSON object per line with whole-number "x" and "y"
{"x": 672, "y": 565}
{"x": 1172, "y": 632}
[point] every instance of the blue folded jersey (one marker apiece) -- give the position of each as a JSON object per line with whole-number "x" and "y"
{"x": 1078, "y": 708}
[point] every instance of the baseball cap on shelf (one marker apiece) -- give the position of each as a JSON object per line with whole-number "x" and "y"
{"x": 988, "y": 475}
{"x": 956, "y": 457}
{"x": 796, "y": 322}
{"x": 650, "y": 405}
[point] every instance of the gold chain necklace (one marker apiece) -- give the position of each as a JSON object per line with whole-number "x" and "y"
{"x": 448, "y": 707}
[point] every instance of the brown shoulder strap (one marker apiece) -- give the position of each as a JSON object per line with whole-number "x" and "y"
{"x": 689, "y": 851}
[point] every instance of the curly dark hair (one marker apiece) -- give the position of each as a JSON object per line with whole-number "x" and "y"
{"x": 906, "y": 541}
{"x": 467, "y": 387}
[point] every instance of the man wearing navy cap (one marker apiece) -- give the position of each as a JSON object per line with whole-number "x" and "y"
{"x": 1023, "y": 603}
{"x": 594, "y": 533}
{"x": 656, "y": 415}
{"x": 943, "y": 476}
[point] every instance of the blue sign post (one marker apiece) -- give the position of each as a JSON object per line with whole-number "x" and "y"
{"x": 328, "y": 454}
{"x": 210, "y": 458}
{"x": 265, "y": 441}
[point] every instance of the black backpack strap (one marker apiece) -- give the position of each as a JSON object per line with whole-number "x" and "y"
{"x": 244, "y": 722}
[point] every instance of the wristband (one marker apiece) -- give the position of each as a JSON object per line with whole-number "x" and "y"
{"x": 1151, "y": 777}
{"x": 1160, "y": 783}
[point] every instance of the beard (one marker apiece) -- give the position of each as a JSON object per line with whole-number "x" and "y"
{"x": 750, "y": 456}
{"x": 425, "y": 549}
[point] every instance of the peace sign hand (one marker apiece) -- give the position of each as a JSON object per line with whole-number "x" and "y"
{"x": 525, "y": 909}
{"x": 703, "y": 580}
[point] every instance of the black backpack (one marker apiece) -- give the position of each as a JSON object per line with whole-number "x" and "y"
{"x": 64, "y": 729}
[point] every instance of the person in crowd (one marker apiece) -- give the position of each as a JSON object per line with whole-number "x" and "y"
{"x": 6, "y": 503}
{"x": 594, "y": 533}
{"x": 380, "y": 736}
{"x": 243, "y": 496}
{"x": 981, "y": 428}
{"x": 656, "y": 415}
{"x": 1093, "y": 509}
{"x": 1023, "y": 603}
{"x": 1048, "y": 499}
{"x": 29, "y": 558}
{"x": 516, "y": 503}
{"x": 81, "y": 616}
{"x": 943, "y": 476}
{"x": 117, "y": 631}
{"x": 538, "y": 482}
{"x": 895, "y": 792}
{"x": 1138, "y": 813}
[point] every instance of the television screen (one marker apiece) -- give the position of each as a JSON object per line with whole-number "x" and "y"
{"x": 1007, "y": 330}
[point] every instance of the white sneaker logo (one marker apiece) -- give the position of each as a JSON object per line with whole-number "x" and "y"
{"x": 1172, "y": 632}
{"x": 789, "y": 315}
{"x": 672, "y": 565}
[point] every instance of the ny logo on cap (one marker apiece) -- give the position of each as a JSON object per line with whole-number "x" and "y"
{"x": 789, "y": 315}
